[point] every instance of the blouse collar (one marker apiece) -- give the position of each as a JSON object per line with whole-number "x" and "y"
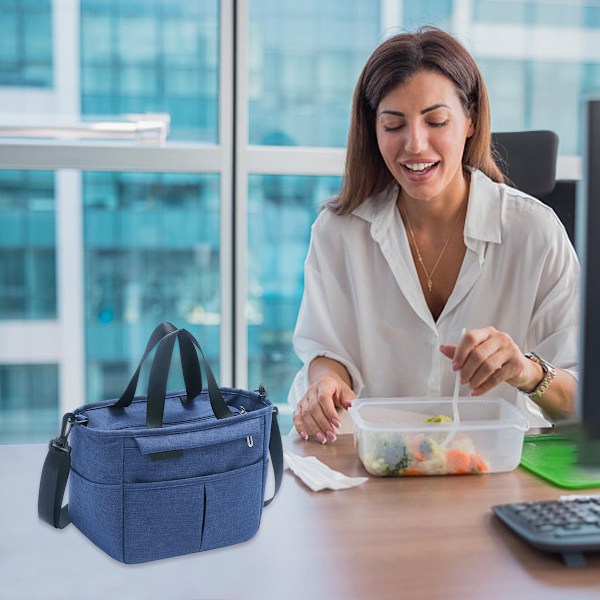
{"x": 484, "y": 214}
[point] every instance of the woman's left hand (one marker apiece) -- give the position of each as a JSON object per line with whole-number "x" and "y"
{"x": 487, "y": 357}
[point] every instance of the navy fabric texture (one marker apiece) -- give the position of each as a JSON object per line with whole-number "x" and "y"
{"x": 207, "y": 491}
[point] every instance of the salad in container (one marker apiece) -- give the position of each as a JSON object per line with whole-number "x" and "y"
{"x": 417, "y": 436}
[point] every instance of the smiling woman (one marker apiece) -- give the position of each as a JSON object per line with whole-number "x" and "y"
{"x": 388, "y": 250}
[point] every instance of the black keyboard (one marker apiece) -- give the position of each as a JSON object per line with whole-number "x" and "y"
{"x": 570, "y": 526}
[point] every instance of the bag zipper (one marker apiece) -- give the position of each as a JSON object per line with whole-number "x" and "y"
{"x": 261, "y": 391}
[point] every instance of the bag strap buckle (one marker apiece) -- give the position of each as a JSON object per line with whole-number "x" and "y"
{"x": 62, "y": 441}
{"x": 60, "y": 444}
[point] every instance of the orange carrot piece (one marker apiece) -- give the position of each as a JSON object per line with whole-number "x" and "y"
{"x": 478, "y": 465}
{"x": 413, "y": 471}
{"x": 458, "y": 462}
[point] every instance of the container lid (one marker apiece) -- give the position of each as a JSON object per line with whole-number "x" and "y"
{"x": 411, "y": 413}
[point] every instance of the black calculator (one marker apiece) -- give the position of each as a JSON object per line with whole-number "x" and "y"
{"x": 570, "y": 526}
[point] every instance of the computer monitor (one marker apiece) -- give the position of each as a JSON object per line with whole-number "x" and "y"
{"x": 588, "y": 248}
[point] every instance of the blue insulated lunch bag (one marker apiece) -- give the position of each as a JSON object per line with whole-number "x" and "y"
{"x": 161, "y": 475}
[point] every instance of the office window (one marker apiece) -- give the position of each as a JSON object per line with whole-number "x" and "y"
{"x": 416, "y": 13}
{"x": 281, "y": 210}
{"x": 27, "y": 245}
{"x": 501, "y": 11}
{"x": 26, "y": 48}
{"x": 565, "y": 13}
{"x": 529, "y": 95}
{"x": 506, "y": 82}
{"x": 304, "y": 60}
{"x": 28, "y": 403}
{"x": 152, "y": 252}
{"x": 152, "y": 56}
{"x": 84, "y": 253}
{"x": 555, "y": 92}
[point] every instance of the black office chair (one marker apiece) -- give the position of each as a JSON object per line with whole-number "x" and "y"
{"x": 528, "y": 159}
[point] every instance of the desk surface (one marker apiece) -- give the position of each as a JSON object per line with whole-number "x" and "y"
{"x": 429, "y": 537}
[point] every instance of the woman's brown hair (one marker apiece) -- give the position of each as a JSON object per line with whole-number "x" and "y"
{"x": 393, "y": 63}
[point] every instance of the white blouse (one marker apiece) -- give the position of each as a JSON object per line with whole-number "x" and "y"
{"x": 363, "y": 304}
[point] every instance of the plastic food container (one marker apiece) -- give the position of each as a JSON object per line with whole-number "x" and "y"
{"x": 393, "y": 436}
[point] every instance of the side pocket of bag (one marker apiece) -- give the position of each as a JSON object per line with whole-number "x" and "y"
{"x": 96, "y": 509}
{"x": 232, "y": 506}
{"x": 162, "y": 519}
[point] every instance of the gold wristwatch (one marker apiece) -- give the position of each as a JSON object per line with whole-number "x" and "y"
{"x": 549, "y": 375}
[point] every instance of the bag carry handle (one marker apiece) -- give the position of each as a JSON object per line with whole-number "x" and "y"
{"x": 191, "y": 368}
{"x": 159, "y": 373}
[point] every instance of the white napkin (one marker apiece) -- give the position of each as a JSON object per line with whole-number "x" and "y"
{"x": 318, "y": 476}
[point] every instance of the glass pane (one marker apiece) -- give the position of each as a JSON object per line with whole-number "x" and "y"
{"x": 152, "y": 248}
{"x": 282, "y": 208}
{"x": 566, "y": 13}
{"x": 26, "y": 48}
{"x": 506, "y": 82}
{"x": 28, "y": 403}
{"x": 529, "y": 95}
{"x": 304, "y": 59}
{"x": 555, "y": 91}
{"x": 158, "y": 56}
{"x": 416, "y": 13}
{"x": 500, "y": 11}
{"x": 27, "y": 245}
{"x": 591, "y": 79}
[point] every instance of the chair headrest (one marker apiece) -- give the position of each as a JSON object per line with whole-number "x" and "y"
{"x": 528, "y": 159}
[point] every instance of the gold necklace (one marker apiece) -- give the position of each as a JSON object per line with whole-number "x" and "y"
{"x": 420, "y": 258}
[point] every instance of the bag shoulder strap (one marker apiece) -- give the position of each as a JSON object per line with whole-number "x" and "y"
{"x": 55, "y": 473}
{"x": 53, "y": 481}
{"x": 276, "y": 452}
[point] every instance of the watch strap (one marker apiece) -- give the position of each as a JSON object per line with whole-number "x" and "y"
{"x": 549, "y": 375}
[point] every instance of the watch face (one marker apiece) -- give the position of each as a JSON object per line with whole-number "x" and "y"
{"x": 540, "y": 361}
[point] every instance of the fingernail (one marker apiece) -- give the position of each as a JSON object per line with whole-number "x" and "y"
{"x": 304, "y": 435}
{"x": 331, "y": 436}
{"x": 455, "y": 366}
{"x": 321, "y": 438}
{"x": 336, "y": 423}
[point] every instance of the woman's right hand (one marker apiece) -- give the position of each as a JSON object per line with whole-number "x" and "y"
{"x": 316, "y": 416}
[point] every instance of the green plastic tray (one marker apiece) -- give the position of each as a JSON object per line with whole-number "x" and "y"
{"x": 554, "y": 457}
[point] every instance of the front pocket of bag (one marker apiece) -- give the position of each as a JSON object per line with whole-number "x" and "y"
{"x": 162, "y": 519}
{"x": 233, "y": 506}
{"x": 96, "y": 509}
{"x": 193, "y": 462}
